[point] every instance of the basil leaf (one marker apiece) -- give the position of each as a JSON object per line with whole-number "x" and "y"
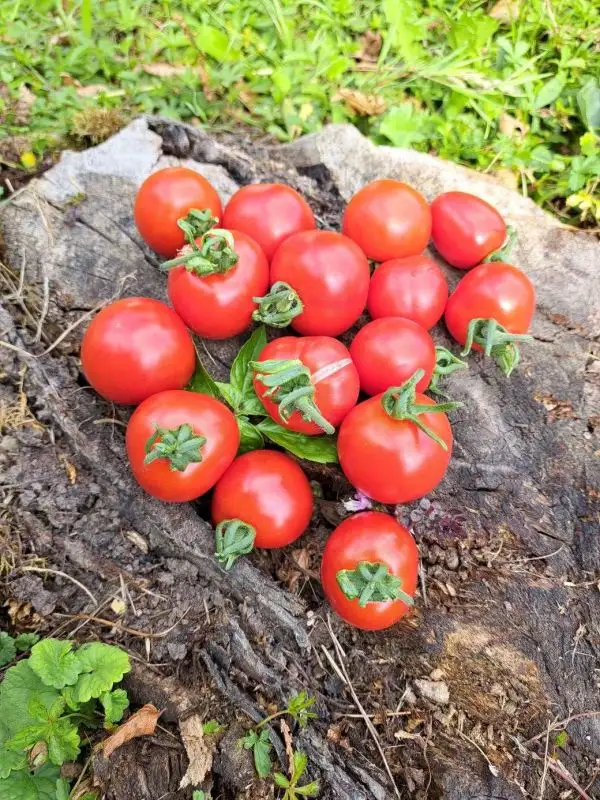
{"x": 250, "y": 437}
{"x": 241, "y": 374}
{"x": 251, "y": 405}
{"x": 230, "y": 394}
{"x": 322, "y": 449}
{"x": 202, "y": 382}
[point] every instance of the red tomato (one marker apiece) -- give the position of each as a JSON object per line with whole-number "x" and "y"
{"x": 329, "y": 276}
{"x": 307, "y": 384}
{"x": 500, "y": 299}
{"x": 263, "y": 500}
{"x": 135, "y": 348}
{"x": 219, "y": 305}
{"x": 386, "y": 455}
{"x": 414, "y": 288}
{"x": 180, "y": 443}
{"x": 373, "y": 557}
{"x": 166, "y": 197}
{"x": 388, "y": 351}
{"x": 388, "y": 219}
{"x": 465, "y": 229}
{"x": 269, "y": 213}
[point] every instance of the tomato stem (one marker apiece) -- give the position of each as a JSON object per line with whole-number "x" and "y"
{"x": 180, "y": 446}
{"x": 504, "y": 253}
{"x": 289, "y": 384}
{"x": 234, "y": 538}
{"x": 445, "y": 364}
{"x": 215, "y": 255}
{"x": 496, "y": 341}
{"x": 400, "y": 403}
{"x": 371, "y": 582}
{"x": 279, "y": 307}
{"x": 196, "y": 223}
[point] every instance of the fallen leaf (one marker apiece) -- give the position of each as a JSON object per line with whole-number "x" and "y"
{"x": 69, "y": 469}
{"x": 138, "y": 540}
{"x": 91, "y": 90}
{"x": 142, "y": 723}
{"x": 23, "y": 105}
{"x": 506, "y": 10}
{"x": 199, "y": 755}
{"x": 68, "y": 80}
{"x": 59, "y": 38}
{"x": 162, "y": 70}
{"x": 367, "y": 105}
{"x": 118, "y": 606}
{"x": 511, "y": 126}
{"x": 289, "y": 749}
{"x": 370, "y": 47}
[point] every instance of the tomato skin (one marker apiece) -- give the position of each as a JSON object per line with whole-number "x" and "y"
{"x": 465, "y": 228}
{"x": 331, "y": 276}
{"x": 375, "y": 537}
{"x": 269, "y": 491}
{"x": 166, "y": 196}
{"x": 118, "y": 360}
{"x": 388, "y": 219}
{"x": 269, "y": 213}
{"x": 334, "y": 395}
{"x": 392, "y": 460}
{"x": 388, "y": 351}
{"x": 219, "y": 306}
{"x": 491, "y": 291}
{"x": 414, "y": 288}
{"x": 208, "y": 417}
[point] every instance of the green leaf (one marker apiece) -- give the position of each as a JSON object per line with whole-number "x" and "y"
{"x": 86, "y": 17}
{"x": 406, "y": 28}
{"x": 54, "y": 661}
{"x": 26, "y": 786}
{"x": 300, "y": 764}
{"x": 309, "y": 789}
{"x": 202, "y": 382}
{"x": 589, "y": 144}
{"x": 298, "y": 709}
{"x": 11, "y": 761}
{"x": 241, "y": 374}
{"x": 403, "y": 126}
{"x": 230, "y": 394}
{"x": 250, "y": 437}
{"x": 550, "y": 91}
{"x": 471, "y": 32}
{"x": 62, "y": 789}
{"x": 215, "y": 43}
{"x": 588, "y": 100}
{"x": 25, "y": 641}
{"x": 21, "y": 686}
{"x": 199, "y": 795}
{"x": 561, "y": 739}
{"x": 321, "y": 449}
{"x": 281, "y": 780}
{"x": 262, "y": 754}
{"x": 102, "y": 665}
{"x": 114, "y": 704}
{"x": 8, "y": 650}
{"x": 59, "y": 734}
{"x": 212, "y": 727}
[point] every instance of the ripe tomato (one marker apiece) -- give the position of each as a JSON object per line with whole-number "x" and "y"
{"x": 414, "y": 288}
{"x": 135, "y": 348}
{"x": 491, "y": 309}
{"x": 388, "y": 351}
{"x": 369, "y": 570}
{"x": 388, "y": 219}
{"x": 307, "y": 384}
{"x": 320, "y": 283}
{"x": 264, "y": 500}
{"x": 269, "y": 213}
{"x": 391, "y": 449}
{"x": 180, "y": 443}
{"x": 213, "y": 291}
{"x": 465, "y": 229}
{"x": 164, "y": 198}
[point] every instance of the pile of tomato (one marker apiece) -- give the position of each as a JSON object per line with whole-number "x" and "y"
{"x": 263, "y": 259}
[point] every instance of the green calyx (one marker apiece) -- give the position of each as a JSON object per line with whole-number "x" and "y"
{"x": 400, "y": 403}
{"x": 180, "y": 446}
{"x": 495, "y": 341}
{"x": 504, "y": 253}
{"x": 445, "y": 364}
{"x": 215, "y": 254}
{"x": 290, "y": 385}
{"x": 196, "y": 223}
{"x": 233, "y": 538}
{"x": 371, "y": 582}
{"x": 279, "y": 307}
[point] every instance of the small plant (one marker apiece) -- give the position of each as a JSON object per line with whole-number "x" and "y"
{"x": 292, "y": 790}
{"x": 44, "y": 702}
{"x": 10, "y": 646}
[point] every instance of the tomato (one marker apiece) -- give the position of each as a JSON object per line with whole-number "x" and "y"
{"x": 465, "y": 229}
{"x": 388, "y": 351}
{"x": 414, "y": 288}
{"x": 263, "y": 500}
{"x": 164, "y": 198}
{"x": 320, "y": 283}
{"x": 307, "y": 384}
{"x": 491, "y": 309}
{"x": 388, "y": 219}
{"x": 391, "y": 449}
{"x": 180, "y": 443}
{"x": 269, "y": 212}
{"x": 369, "y": 570}
{"x": 213, "y": 292}
{"x": 134, "y": 348}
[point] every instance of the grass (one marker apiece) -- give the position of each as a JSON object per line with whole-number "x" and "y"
{"x": 511, "y": 88}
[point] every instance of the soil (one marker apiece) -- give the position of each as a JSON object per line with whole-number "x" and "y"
{"x": 465, "y": 697}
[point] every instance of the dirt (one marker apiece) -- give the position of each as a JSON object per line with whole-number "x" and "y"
{"x": 506, "y": 623}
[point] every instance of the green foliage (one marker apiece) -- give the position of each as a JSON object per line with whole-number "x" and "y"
{"x": 299, "y": 708}
{"x": 259, "y": 743}
{"x": 449, "y": 73}
{"x": 212, "y": 727}
{"x": 292, "y": 790}
{"x": 44, "y": 700}
{"x": 10, "y": 646}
